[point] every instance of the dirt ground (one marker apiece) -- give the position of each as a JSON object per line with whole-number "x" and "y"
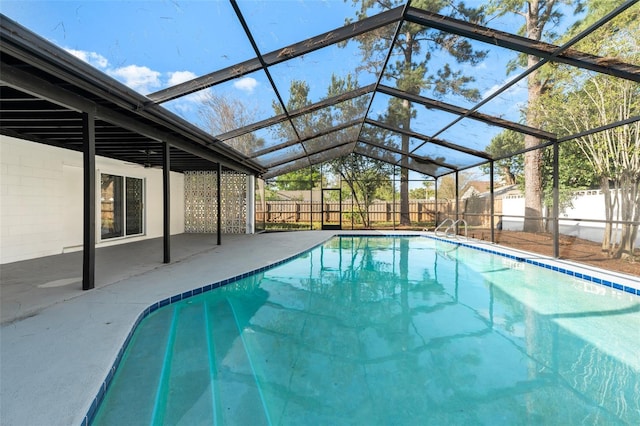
{"x": 571, "y": 248}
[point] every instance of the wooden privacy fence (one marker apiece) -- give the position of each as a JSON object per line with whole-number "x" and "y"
{"x": 475, "y": 210}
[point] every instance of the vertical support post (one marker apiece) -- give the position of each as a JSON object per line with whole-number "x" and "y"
{"x": 393, "y": 215}
{"x": 340, "y": 205}
{"x": 352, "y": 212}
{"x": 492, "y": 203}
{"x": 311, "y": 198}
{"x": 435, "y": 195}
{"x": 264, "y": 205}
{"x": 89, "y": 200}
{"x": 166, "y": 201}
{"x": 556, "y": 201}
{"x": 251, "y": 204}
{"x": 321, "y": 196}
{"x": 219, "y": 195}
{"x": 457, "y": 202}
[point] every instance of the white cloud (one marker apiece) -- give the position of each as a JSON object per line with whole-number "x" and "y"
{"x": 92, "y": 58}
{"x": 514, "y": 91}
{"x": 141, "y": 79}
{"x": 246, "y": 84}
{"x": 145, "y": 80}
{"x": 178, "y": 77}
{"x": 183, "y": 109}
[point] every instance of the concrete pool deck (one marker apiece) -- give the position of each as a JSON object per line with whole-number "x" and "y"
{"x": 57, "y": 342}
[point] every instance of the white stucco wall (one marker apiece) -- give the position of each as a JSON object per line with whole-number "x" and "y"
{"x": 41, "y": 199}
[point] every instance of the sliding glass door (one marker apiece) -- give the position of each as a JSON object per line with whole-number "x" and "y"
{"x": 122, "y": 206}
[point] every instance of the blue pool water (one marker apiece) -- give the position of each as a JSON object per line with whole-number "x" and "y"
{"x": 386, "y": 331}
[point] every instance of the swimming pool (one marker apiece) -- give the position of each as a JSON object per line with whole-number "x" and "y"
{"x": 385, "y": 330}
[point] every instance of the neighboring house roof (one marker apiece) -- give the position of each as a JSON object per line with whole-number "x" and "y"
{"x": 482, "y": 189}
{"x": 475, "y": 188}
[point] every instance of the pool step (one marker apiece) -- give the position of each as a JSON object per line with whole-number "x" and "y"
{"x": 210, "y": 375}
{"x": 132, "y": 393}
{"x": 199, "y": 374}
{"x": 239, "y": 396}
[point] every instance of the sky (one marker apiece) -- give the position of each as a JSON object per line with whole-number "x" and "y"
{"x": 152, "y": 45}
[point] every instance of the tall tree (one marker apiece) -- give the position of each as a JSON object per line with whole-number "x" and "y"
{"x": 582, "y": 100}
{"x": 574, "y": 171}
{"x": 410, "y": 67}
{"x": 539, "y": 16}
{"x": 362, "y": 175}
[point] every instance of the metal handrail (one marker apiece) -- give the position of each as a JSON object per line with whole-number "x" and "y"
{"x": 454, "y": 234}
{"x": 441, "y": 225}
{"x": 450, "y": 230}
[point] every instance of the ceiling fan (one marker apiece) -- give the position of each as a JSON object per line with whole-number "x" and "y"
{"x": 147, "y": 162}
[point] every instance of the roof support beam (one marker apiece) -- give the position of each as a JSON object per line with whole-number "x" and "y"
{"x": 278, "y": 56}
{"x": 610, "y": 66}
{"x": 297, "y": 113}
{"x": 305, "y": 155}
{"x": 415, "y": 157}
{"x": 374, "y": 157}
{"x": 495, "y": 121}
{"x": 296, "y": 141}
{"x": 420, "y": 136}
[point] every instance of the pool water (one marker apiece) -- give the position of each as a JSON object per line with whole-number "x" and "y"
{"x": 386, "y": 330}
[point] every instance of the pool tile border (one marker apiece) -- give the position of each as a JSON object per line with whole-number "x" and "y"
{"x": 521, "y": 258}
{"x": 204, "y": 289}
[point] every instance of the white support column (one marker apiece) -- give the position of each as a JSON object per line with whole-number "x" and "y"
{"x": 251, "y": 204}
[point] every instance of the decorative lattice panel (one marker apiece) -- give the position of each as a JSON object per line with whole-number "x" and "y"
{"x": 201, "y": 202}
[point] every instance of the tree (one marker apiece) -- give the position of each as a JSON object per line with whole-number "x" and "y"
{"x": 425, "y": 192}
{"x": 581, "y": 101}
{"x": 410, "y": 68}
{"x": 220, "y": 114}
{"x": 537, "y": 15}
{"x": 298, "y": 180}
{"x": 362, "y": 175}
{"x": 510, "y": 169}
{"x": 447, "y": 185}
{"x": 574, "y": 173}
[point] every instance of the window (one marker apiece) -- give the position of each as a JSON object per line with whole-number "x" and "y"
{"x": 122, "y": 206}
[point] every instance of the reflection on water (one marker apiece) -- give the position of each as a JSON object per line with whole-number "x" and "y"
{"x": 387, "y": 331}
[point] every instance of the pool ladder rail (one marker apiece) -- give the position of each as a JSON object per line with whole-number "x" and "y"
{"x": 450, "y": 231}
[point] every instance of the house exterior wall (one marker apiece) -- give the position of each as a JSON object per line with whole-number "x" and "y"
{"x": 41, "y": 199}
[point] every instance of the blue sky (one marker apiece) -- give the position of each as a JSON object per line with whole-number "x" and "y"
{"x": 151, "y": 45}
